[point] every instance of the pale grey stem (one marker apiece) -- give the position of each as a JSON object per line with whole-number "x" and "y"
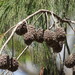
{"x": 37, "y": 19}
{"x": 9, "y": 30}
{"x": 22, "y": 52}
{"x": 47, "y": 20}
{"x": 55, "y": 21}
{"x": 51, "y": 26}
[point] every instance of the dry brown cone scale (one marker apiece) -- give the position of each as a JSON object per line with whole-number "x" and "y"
{"x": 31, "y": 29}
{"x": 60, "y": 34}
{"x": 39, "y": 35}
{"x": 70, "y": 61}
{"x": 60, "y": 37}
{"x": 13, "y": 66}
{"x": 8, "y": 63}
{"x": 4, "y": 61}
{"x": 55, "y": 39}
{"x": 49, "y": 37}
{"x": 30, "y": 35}
{"x": 21, "y": 29}
{"x": 57, "y": 47}
{"x": 28, "y": 38}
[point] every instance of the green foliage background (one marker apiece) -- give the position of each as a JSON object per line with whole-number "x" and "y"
{"x": 13, "y": 11}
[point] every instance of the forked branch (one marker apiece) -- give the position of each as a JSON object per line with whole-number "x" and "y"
{"x": 35, "y": 13}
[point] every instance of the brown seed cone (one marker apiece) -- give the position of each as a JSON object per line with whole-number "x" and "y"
{"x": 21, "y": 29}
{"x": 39, "y": 35}
{"x": 60, "y": 34}
{"x": 31, "y": 29}
{"x": 70, "y": 61}
{"x": 57, "y": 47}
{"x": 28, "y": 38}
{"x": 4, "y": 61}
{"x": 49, "y": 37}
{"x": 13, "y": 65}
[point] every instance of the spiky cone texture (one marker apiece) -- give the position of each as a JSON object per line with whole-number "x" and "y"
{"x": 31, "y": 29}
{"x": 39, "y": 35}
{"x": 13, "y": 66}
{"x": 49, "y": 37}
{"x": 21, "y": 29}
{"x": 28, "y": 38}
{"x": 57, "y": 47}
{"x": 4, "y": 61}
{"x": 70, "y": 61}
{"x": 60, "y": 34}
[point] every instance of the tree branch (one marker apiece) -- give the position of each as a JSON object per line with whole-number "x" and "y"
{"x": 35, "y": 13}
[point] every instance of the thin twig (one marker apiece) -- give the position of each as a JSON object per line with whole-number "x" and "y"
{"x": 53, "y": 17}
{"x": 61, "y": 65}
{"x": 55, "y": 21}
{"x": 49, "y": 12}
{"x": 68, "y": 50}
{"x": 47, "y": 24}
{"x": 60, "y": 60}
{"x": 37, "y": 19}
{"x": 22, "y": 52}
{"x": 64, "y": 54}
{"x": 9, "y": 30}
{"x": 71, "y": 27}
{"x": 60, "y": 57}
{"x": 12, "y": 47}
{"x": 51, "y": 26}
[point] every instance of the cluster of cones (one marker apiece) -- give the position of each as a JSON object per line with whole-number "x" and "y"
{"x": 53, "y": 39}
{"x": 70, "y": 61}
{"x": 8, "y": 63}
